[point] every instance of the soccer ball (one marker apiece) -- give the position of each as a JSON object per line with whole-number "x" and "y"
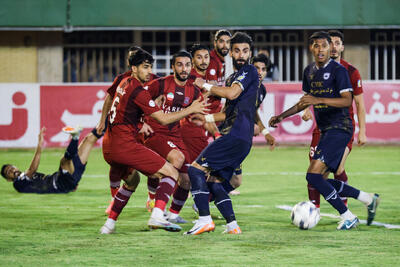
{"x": 305, "y": 215}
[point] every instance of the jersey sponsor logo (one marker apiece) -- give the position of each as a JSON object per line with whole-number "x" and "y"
{"x": 241, "y": 77}
{"x": 212, "y": 72}
{"x": 152, "y": 103}
{"x": 146, "y": 87}
{"x": 171, "y": 144}
{"x": 326, "y": 75}
{"x": 359, "y": 83}
{"x": 179, "y": 93}
{"x": 170, "y": 96}
{"x": 186, "y": 100}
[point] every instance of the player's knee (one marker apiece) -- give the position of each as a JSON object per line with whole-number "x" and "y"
{"x": 132, "y": 181}
{"x": 176, "y": 158}
{"x": 197, "y": 179}
{"x": 236, "y": 181}
{"x": 184, "y": 181}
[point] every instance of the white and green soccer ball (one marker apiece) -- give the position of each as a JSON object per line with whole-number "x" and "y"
{"x": 305, "y": 215}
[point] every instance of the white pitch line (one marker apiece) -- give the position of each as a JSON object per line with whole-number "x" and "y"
{"x": 386, "y": 225}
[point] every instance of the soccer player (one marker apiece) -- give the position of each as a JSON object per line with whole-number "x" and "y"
{"x": 355, "y": 79}
{"x": 178, "y": 93}
{"x": 69, "y": 173}
{"x": 327, "y": 87}
{"x": 222, "y": 156}
{"x": 114, "y": 175}
{"x": 123, "y": 152}
{"x": 216, "y": 69}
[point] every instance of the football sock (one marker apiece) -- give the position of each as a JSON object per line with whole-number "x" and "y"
{"x": 344, "y": 190}
{"x": 152, "y": 185}
{"x": 222, "y": 201}
{"x": 114, "y": 190}
{"x": 72, "y": 149}
{"x": 120, "y": 201}
{"x": 94, "y": 132}
{"x": 347, "y": 215}
{"x": 313, "y": 195}
{"x": 342, "y": 177}
{"x": 164, "y": 192}
{"x": 226, "y": 184}
{"x": 179, "y": 198}
{"x": 327, "y": 190}
{"x": 199, "y": 189}
{"x": 365, "y": 198}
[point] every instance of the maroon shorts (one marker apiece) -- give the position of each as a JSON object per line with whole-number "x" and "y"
{"x": 315, "y": 140}
{"x": 194, "y": 146}
{"x": 163, "y": 144}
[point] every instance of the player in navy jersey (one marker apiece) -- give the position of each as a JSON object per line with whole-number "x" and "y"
{"x": 355, "y": 79}
{"x": 327, "y": 87}
{"x": 70, "y": 169}
{"x": 222, "y": 156}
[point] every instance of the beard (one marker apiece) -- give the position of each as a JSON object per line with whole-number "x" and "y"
{"x": 180, "y": 78}
{"x": 202, "y": 67}
{"x": 221, "y": 52}
{"x": 238, "y": 64}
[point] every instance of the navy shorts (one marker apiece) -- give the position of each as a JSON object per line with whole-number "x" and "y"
{"x": 223, "y": 156}
{"x": 331, "y": 147}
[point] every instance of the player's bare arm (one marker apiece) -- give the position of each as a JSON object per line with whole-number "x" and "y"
{"x": 341, "y": 102}
{"x": 230, "y": 93}
{"x": 198, "y": 106}
{"x": 360, "y": 106}
{"x": 104, "y": 111}
{"x": 36, "y": 157}
{"x": 287, "y": 113}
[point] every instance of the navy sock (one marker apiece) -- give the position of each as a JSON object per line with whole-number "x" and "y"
{"x": 199, "y": 190}
{"x": 327, "y": 190}
{"x": 226, "y": 184}
{"x": 222, "y": 201}
{"x": 72, "y": 149}
{"x": 344, "y": 190}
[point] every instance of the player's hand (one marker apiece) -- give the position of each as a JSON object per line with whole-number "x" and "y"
{"x": 146, "y": 129}
{"x": 199, "y": 82}
{"x": 362, "y": 139}
{"x": 307, "y": 115}
{"x": 41, "y": 136}
{"x": 270, "y": 141}
{"x": 100, "y": 127}
{"x": 274, "y": 121}
{"x": 199, "y": 106}
{"x": 307, "y": 100}
{"x": 197, "y": 119}
{"x": 160, "y": 101}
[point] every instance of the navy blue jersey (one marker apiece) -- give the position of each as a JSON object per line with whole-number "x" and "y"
{"x": 240, "y": 112}
{"x": 40, "y": 183}
{"x": 262, "y": 92}
{"x": 329, "y": 82}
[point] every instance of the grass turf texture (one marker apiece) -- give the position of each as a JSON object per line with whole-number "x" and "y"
{"x": 62, "y": 230}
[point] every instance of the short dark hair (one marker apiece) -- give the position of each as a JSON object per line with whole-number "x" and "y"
{"x": 133, "y": 48}
{"x": 336, "y": 33}
{"x": 263, "y": 59}
{"x": 141, "y": 56}
{"x": 196, "y": 47}
{"x": 182, "y": 53}
{"x": 3, "y": 170}
{"x": 240, "y": 38}
{"x": 319, "y": 35}
{"x": 222, "y": 32}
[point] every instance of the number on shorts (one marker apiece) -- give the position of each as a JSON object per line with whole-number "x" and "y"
{"x": 113, "y": 111}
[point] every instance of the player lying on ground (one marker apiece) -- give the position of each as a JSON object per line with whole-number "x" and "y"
{"x": 70, "y": 170}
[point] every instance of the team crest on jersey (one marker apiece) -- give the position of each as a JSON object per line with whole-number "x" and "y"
{"x": 170, "y": 96}
{"x": 152, "y": 103}
{"x": 311, "y": 76}
{"x": 186, "y": 100}
{"x": 241, "y": 77}
{"x": 212, "y": 71}
{"x": 326, "y": 75}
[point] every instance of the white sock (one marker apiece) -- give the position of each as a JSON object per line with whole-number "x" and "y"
{"x": 347, "y": 215}
{"x": 205, "y": 219}
{"x": 157, "y": 213}
{"x": 232, "y": 225}
{"x": 172, "y": 215}
{"x": 110, "y": 223}
{"x": 365, "y": 198}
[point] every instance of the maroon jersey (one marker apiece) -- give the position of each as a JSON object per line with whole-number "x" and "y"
{"x": 176, "y": 99}
{"x": 130, "y": 102}
{"x": 216, "y": 69}
{"x": 111, "y": 90}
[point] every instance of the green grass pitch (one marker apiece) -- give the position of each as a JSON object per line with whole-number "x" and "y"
{"x": 62, "y": 230}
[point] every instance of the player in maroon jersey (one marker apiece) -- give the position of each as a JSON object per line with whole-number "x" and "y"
{"x": 123, "y": 152}
{"x": 114, "y": 175}
{"x": 216, "y": 69}
{"x": 355, "y": 79}
{"x": 166, "y": 140}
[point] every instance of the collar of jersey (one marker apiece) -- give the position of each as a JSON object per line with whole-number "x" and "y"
{"x": 316, "y": 66}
